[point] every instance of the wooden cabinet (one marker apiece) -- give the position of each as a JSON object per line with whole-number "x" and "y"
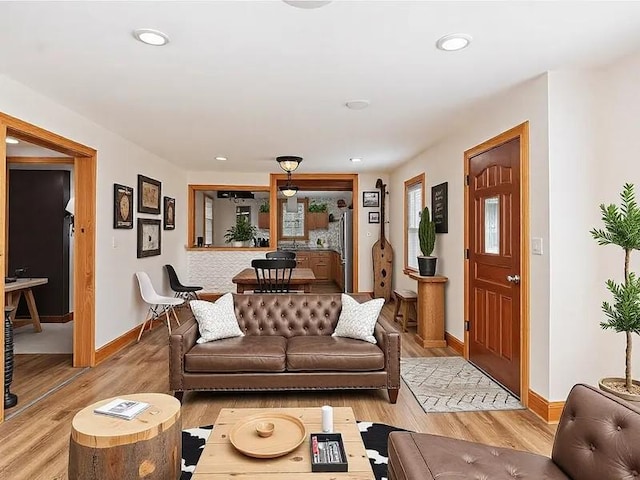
{"x": 302, "y": 260}
{"x": 318, "y": 220}
{"x": 320, "y": 264}
{"x": 263, "y": 220}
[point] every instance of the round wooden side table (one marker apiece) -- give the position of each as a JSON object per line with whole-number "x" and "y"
{"x": 147, "y": 447}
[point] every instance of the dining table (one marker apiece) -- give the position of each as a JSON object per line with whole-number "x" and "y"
{"x": 301, "y": 279}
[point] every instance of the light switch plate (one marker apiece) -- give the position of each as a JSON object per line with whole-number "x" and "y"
{"x": 536, "y": 246}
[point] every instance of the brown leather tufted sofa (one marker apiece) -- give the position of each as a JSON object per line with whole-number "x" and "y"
{"x": 598, "y": 438}
{"x": 287, "y": 346}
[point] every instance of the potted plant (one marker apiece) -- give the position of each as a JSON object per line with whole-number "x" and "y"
{"x": 263, "y": 216}
{"x": 241, "y": 233}
{"x": 427, "y": 237}
{"x": 622, "y": 228}
{"x": 318, "y": 216}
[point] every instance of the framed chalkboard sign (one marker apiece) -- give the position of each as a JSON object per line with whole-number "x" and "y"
{"x": 439, "y": 207}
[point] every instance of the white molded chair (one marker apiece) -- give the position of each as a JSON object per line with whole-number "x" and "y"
{"x": 158, "y": 304}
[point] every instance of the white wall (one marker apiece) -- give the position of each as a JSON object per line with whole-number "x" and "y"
{"x": 593, "y": 151}
{"x": 119, "y": 307}
{"x": 443, "y": 162}
{"x": 573, "y": 189}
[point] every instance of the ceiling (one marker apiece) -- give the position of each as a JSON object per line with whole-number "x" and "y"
{"x": 253, "y": 80}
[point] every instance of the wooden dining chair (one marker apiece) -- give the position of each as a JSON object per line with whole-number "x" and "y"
{"x": 273, "y": 275}
{"x": 281, "y": 254}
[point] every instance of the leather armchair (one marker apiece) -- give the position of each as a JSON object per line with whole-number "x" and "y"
{"x": 598, "y": 438}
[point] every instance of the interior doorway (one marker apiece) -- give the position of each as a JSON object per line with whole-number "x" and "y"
{"x": 84, "y": 165}
{"x": 347, "y": 263}
{"x": 496, "y": 267}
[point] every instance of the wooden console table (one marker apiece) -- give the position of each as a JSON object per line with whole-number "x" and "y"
{"x": 20, "y": 287}
{"x": 430, "y": 311}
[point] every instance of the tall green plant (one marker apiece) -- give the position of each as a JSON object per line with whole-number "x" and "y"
{"x": 241, "y": 231}
{"x": 426, "y": 233}
{"x": 622, "y": 228}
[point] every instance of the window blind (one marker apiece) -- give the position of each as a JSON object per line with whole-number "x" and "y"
{"x": 414, "y": 209}
{"x": 208, "y": 221}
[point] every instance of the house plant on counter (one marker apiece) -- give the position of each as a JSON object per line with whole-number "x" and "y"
{"x": 622, "y": 228}
{"x": 427, "y": 237}
{"x": 241, "y": 233}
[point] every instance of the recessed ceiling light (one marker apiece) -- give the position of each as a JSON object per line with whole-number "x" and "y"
{"x": 355, "y": 159}
{"x": 453, "y": 42}
{"x": 357, "y": 104}
{"x": 308, "y": 4}
{"x": 12, "y": 140}
{"x": 221, "y": 159}
{"x": 151, "y": 37}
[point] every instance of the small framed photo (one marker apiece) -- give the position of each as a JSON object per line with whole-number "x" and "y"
{"x": 169, "y": 213}
{"x": 149, "y": 237}
{"x": 149, "y": 194}
{"x": 371, "y": 199}
{"x": 374, "y": 217}
{"x": 122, "y": 206}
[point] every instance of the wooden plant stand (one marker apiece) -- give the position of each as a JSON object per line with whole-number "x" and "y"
{"x": 430, "y": 311}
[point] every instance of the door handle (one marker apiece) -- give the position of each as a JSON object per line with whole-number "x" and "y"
{"x": 513, "y": 279}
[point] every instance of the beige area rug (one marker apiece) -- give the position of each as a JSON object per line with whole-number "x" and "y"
{"x": 451, "y": 384}
{"x": 54, "y": 338}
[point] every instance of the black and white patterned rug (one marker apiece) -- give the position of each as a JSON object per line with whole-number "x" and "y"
{"x": 374, "y": 437}
{"x": 451, "y": 384}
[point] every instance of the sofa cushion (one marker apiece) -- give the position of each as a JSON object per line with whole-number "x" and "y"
{"x": 324, "y": 353}
{"x": 424, "y": 456}
{"x": 216, "y": 320}
{"x": 238, "y": 354}
{"x": 358, "y": 320}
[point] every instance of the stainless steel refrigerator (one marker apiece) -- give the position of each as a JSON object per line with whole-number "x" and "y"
{"x": 346, "y": 248}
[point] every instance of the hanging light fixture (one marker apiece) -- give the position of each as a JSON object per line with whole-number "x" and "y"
{"x": 288, "y": 163}
{"x": 288, "y": 190}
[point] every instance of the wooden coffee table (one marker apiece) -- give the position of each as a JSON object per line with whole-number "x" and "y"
{"x": 220, "y": 460}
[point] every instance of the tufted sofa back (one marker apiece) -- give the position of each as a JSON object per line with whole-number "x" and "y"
{"x": 598, "y": 436}
{"x": 288, "y": 315}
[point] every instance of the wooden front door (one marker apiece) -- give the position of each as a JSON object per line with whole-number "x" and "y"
{"x": 494, "y": 263}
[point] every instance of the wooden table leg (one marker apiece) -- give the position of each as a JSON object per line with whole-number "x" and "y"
{"x": 33, "y": 310}
{"x": 13, "y": 298}
{"x": 307, "y": 288}
{"x": 239, "y": 288}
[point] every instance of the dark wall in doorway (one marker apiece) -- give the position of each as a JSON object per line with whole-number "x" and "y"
{"x": 39, "y": 234}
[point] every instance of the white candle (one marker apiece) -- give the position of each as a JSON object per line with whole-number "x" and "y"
{"x": 327, "y": 419}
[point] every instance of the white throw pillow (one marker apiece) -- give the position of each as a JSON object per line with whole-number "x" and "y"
{"x": 358, "y": 320}
{"x": 216, "y": 320}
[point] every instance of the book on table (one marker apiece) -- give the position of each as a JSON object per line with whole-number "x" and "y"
{"x": 121, "y": 408}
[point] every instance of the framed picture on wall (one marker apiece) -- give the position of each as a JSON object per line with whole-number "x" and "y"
{"x": 374, "y": 217}
{"x": 169, "y": 213}
{"x": 122, "y": 206}
{"x": 149, "y": 237}
{"x": 371, "y": 199}
{"x": 149, "y": 194}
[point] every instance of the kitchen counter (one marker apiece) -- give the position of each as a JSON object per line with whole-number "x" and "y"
{"x": 310, "y": 249}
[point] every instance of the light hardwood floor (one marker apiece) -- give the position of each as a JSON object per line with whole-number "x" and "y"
{"x": 34, "y": 444}
{"x": 37, "y": 374}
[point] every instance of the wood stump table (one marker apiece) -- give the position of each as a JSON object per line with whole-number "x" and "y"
{"x": 147, "y": 447}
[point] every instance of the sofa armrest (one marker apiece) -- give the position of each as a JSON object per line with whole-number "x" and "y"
{"x": 598, "y": 436}
{"x": 181, "y": 340}
{"x": 389, "y": 341}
